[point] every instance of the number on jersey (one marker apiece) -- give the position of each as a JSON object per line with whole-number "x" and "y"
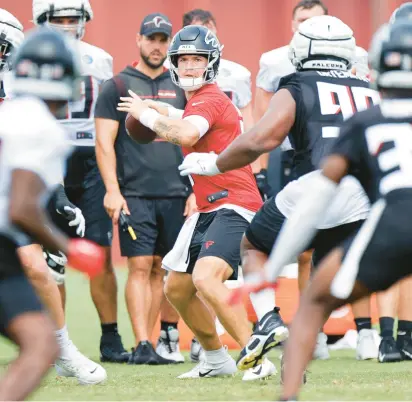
{"x": 391, "y": 144}
{"x": 341, "y": 99}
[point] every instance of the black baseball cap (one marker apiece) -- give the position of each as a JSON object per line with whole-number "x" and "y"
{"x": 156, "y": 23}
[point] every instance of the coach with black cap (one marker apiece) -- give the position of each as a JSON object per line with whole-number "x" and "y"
{"x": 143, "y": 181}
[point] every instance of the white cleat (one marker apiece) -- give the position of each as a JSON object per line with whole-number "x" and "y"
{"x": 321, "y": 350}
{"x": 262, "y": 371}
{"x": 197, "y": 354}
{"x": 168, "y": 346}
{"x": 367, "y": 348}
{"x": 205, "y": 370}
{"x": 77, "y": 365}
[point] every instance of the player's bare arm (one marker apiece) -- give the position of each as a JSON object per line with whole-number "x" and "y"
{"x": 267, "y": 134}
{"x": 177, "y": 131}
{"x": 106, "y": 133}
{"x": 26, "y": 213}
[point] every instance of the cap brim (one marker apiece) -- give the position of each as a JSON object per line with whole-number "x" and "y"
{"x": 149, "y": 32}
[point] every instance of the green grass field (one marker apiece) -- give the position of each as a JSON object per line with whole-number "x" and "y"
{"x": 340, "y": 378}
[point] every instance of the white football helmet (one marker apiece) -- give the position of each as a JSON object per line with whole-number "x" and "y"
{"x": 11, "y": 36}
{"x": 360, "y": 62}
{"x": 322, "y": 43}
{"x": 44, "y": 10}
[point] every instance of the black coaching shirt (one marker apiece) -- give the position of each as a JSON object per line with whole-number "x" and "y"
{"x": 144, "y": 170}
{"x": 324, "y": 99}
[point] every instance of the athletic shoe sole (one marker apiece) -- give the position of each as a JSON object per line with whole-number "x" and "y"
{"x": 255, "y": 357}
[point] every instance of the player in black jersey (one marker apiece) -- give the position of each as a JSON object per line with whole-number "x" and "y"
{"x": 310, "y": 106}
{"x": 376, "y": 147}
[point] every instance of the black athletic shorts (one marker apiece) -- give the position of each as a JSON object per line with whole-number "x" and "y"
{"x": 218, "y": 234}
{"x": 156, "y": 222}
{"x": 267, "y": 223}
{"x": 16, "y": 294}
{"x": 380, "y": 254}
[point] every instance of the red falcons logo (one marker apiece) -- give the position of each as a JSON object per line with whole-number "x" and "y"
{"x": 209, "y": 243}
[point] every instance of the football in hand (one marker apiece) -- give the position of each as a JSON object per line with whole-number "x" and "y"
{"x": 138, "y": 132}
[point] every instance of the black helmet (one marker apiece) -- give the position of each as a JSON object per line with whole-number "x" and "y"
{"x": 195, "y": 39}
{"x": 404, "y": 11}
{"x": 390, "y": 56}
{"x": 46, "y": 66}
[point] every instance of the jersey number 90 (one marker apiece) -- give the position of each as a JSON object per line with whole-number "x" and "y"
{"x": 341, "y": 99}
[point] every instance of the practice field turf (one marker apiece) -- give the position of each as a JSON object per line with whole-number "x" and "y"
{"x": 340, "y": 378}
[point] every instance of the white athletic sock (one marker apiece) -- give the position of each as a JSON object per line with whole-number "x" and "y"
{"x": 218, "y": 356}
{"x": 62, "y": 337}
{"x": 263, "y": 302}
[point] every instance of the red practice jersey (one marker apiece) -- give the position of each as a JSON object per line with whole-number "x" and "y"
{"x": 224, "y": 126}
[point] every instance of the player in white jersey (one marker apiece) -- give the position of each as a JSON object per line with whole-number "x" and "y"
{"x": 71, "y": 362}
{"x": 83, "y": 184}
{"x": 33, "y": 155}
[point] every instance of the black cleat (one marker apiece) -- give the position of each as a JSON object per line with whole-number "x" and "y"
{"x": 145, "y": 354}
{"x": 388, "y": 351}
{"x": 112, "y": 350}
{"x": 268, "y": 333}
{"x": 404, "y": 344}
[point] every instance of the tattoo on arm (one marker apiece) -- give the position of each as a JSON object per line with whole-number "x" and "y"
{"x": 168, "y": 130}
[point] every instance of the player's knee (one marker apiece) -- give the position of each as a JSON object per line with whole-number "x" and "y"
{"x": 157, "y": 273}
{"x": 140, "y": 268}
{"x": 173, "y": 292}
{"x": 204, "y": 280}
{"x": 37, "y": 271}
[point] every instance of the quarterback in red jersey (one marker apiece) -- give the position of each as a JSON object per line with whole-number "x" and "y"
{"x": 207, "y": 251}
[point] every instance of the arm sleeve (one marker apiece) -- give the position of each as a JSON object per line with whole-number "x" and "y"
{"x": 106, "y": 106}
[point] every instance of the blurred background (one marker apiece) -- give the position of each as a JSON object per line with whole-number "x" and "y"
{"x": 247, "y": 28}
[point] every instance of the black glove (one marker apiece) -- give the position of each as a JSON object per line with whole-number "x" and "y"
{"x": 261, "y": 181}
